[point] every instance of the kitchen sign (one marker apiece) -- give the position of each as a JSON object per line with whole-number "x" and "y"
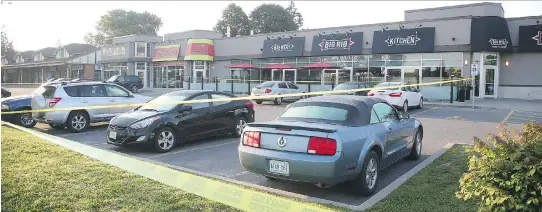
{"x": 490, "y": 33}
{"x": 417, "y": 40}
{"x": 285, "y": 47}
{"x": 530, "y": 38}
{"x": 498, "y": 43}
{"x": 337, "y": 44}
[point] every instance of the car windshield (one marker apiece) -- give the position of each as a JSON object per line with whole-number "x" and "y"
{"x": 316, "y": 112}
{"x": 267, "y": 84}
{"x": 156, "y": 106}
{"x": 113, "y": 78}
{"x": 346, "y": 86}
{"x": 392, "y": 87}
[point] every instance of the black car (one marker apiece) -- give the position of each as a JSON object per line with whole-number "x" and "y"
{"x": 131, "y": 82}
{"x": 162, "y": 126}
{"x": 351, "y": 86}
{"x": 6, "y": 93}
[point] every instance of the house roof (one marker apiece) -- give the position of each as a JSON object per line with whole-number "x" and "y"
{"x": 48, "y": 52}
{"x": 28, "y": 55}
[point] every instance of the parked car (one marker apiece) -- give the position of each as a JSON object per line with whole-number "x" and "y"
{"x": 18, "y": 103}
{"x": 164, "y": 126}
{"x": 6, "y": 93}
{"x": 352, "y": 86}
{"x": 401, "y": 97}
{"x": 131, "y": 82}
{"x": 331, "y": 139}
{"x": 276, "y": 88}
{"x": 82, "y": 94}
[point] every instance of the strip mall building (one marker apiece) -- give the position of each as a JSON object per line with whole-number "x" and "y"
{"x": 429, "y": 45}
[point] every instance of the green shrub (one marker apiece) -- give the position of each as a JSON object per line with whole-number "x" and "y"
{"x": 505, "y": 173}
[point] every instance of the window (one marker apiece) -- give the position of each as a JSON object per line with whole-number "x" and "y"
{"x": 202, "y": 104}
{"x": 163, "y": 107}
{"x": 91, "y": 91}
{"x": 267, "y": 84}
{"x": 292, "y": 86}
{"x": 38, "y": 56}
{"x": 19, "y": 59}
{"x": 115, "y": 91}
{"x": 385, "y": 112}
{"x": 220, "y": 96}
{"x": 121, "y": 78}
{"x": 140, "y": 49}
{"x": 282, "y": 85}
{"x": 374, "y": 117}
{"x": 132, "y": 78}
{"x": 72, "y": 91}
{"x": 316, "y": 112}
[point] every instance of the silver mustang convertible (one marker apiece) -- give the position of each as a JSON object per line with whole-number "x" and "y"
{"x": 331, "y": 139}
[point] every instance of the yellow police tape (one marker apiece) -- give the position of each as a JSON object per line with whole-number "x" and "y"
{"x": 225, "y": 193}
{"x": 230, "y": 99}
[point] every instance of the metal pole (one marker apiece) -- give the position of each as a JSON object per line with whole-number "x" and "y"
{"x": 472, "y": 91}
{"x": 202, "y": 81}
{"x": 189, "y": 81}
{"x": 248, "y": 81}
{"x": 452, "y": 90}
{"x": 216, "y": 83}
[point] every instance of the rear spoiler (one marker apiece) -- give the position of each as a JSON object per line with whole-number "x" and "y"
{"x": 293, "y": 127}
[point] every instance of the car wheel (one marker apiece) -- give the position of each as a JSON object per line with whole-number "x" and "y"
{"x": 270, "y": 178}
{"x": 259, "y": 101}
{"x": 367, "y": 180}
{"x": 25, "y": 120}
{"x": 238, "y": 126}
{"x": 57, "y": 126}
{"x": 416, "y": 150}
{"x": 164, "y": 139}
{"x": 78, "y": 122}
{"x": 134, "y": 89}
{"x": 278, "y": 101}
{"x": 405, "y": 106}
{"x": 420, "y": 106}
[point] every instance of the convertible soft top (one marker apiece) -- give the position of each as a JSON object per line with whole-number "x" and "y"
{"x": 359, "y": 117}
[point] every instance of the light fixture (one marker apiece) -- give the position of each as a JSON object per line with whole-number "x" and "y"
{"x": 366, "y": 42}
{"x": 506, "y": 63}
{"x": 466, "y": 62}
{"x": 453, "y": 38}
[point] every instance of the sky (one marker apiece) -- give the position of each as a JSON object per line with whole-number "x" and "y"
{"x": 33, "y": 25}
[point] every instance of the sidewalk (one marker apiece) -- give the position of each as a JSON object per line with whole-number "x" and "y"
{"x": 509, "y": 104}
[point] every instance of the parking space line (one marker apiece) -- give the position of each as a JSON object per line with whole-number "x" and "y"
{"x": 424, "y": 111}
{"x": 523, "y": 119}
{"x": 507, "y": 116}
{"x": 189, "y": 150}
{"x": 527, "y": 115}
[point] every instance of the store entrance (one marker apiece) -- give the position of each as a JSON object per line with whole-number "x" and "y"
{"x": 284, "y": 75}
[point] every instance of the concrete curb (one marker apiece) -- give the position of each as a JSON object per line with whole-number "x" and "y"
{"x": 460, "y": 106}
{"x": 382, "y": 194}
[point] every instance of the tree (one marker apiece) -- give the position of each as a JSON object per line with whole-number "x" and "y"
{"x": 233, "y": 16}
{"x": 7, "y": 46}
{"x": 298, "y": 18}
{"x": 119, "y": 22}
{"x": 268, "y": 18}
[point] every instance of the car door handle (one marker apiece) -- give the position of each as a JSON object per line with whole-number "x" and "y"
{"x": 112, "y": 100}
{"x": 389, "y": 130}
{"x": 84, "y": 101}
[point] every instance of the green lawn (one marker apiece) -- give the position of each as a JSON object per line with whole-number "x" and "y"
{"x": 433, "y": 188}
{"x": 40, "y": 176}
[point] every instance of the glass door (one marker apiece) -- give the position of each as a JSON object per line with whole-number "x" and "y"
{"x": 276, "y": 74}
{"x": 488, "y": 81}
{"x": 199, "y": 75}
{"x": 411, "y": 76}
{"x": 344, "y": 75}
{"x": 290, "y": 75}
{"x": 393, "y": 74}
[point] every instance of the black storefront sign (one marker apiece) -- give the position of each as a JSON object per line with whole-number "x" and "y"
{"x": 337, "y": 44}
{"x": 490, "y": 34}
{"x": 285, "y": 47}
{"x": 530, "y": 38}
{"x": 416, "y": 40}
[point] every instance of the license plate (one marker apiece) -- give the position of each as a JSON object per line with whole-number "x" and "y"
{"x": 279, "y": 167}
{"x": 113, "y": 135}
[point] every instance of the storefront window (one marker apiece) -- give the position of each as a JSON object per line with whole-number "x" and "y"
{"x": 255, "y": 62}
{"x": 77, "y": 72}
{"x": 360, "y": 61}
{"x": 432, "y": 56}
{"x": 490, "y": 59}
{"x": 140, "y": 49}
{"x": 113, "y": 69}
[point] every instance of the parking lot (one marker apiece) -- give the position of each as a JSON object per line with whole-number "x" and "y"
{"x": 219, "y": 156}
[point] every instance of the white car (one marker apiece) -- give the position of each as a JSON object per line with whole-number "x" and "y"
{"x": 401, "y": 97}
{"x": 275, "y": 88}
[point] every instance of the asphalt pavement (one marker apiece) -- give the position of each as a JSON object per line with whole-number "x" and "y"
{"x": 219, "y": 156}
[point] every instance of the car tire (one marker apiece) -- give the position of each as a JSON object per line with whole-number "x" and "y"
{"x": 416, "y": 150}
{"x": 164, "y": 139}
{"x": 420, "y": 106}
{"x": 238, "y": 125}
{"x": 78, "y": 121}
{"x": 405, "y": 106}
{"x": 134, "y": 89}
{"x": 57, "y": 126}
{"x": 270, "y": 178}
{"x": 22, "y": 119}
{"x": 360, "y": 184}
{"x": 259, "y": 102}
{"x": 278, "y": 101}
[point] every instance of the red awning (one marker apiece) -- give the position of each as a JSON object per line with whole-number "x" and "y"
{"x": 278, "y": 66}
{"x": 241, "y": 65}
{"x": 319, "y": 65}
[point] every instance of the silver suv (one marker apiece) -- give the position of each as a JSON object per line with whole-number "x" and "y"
{"x": 81, "y": 95}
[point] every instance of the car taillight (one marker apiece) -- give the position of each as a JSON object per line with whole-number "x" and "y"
{"x": 370, "y": 94}
{"x": 396, "y": 94}
{"x": 267, "y": 90}
{"x": 322, "y": 146}
{"x": 54, "y": 100}
{"x": 252, "y": 139}
{"x": 249, "y": 104}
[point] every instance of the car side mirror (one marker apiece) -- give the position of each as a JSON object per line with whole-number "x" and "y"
{"x": 404, "y": 115}
{"x": 185, "y": 108}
